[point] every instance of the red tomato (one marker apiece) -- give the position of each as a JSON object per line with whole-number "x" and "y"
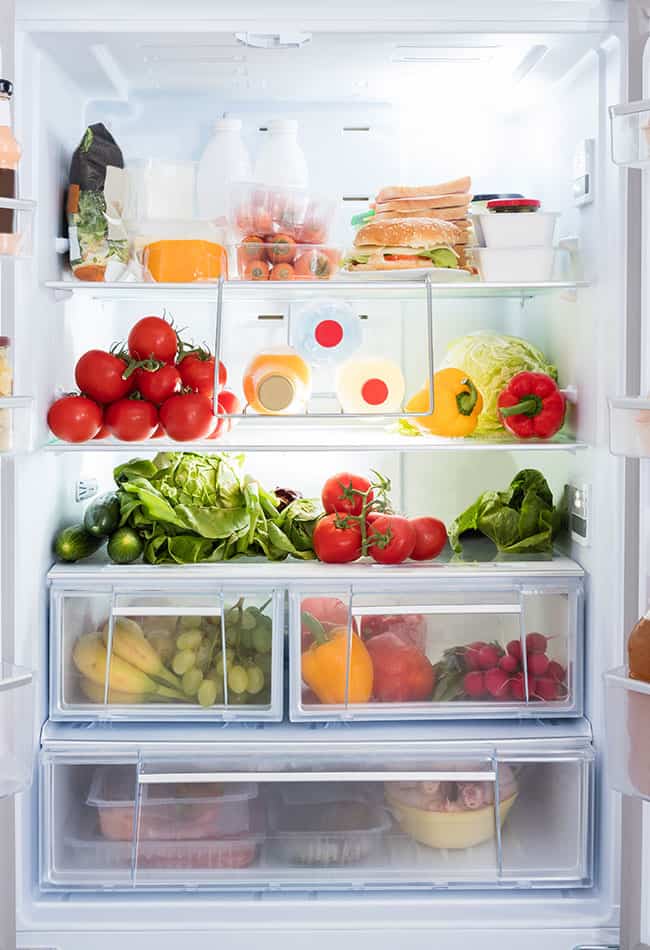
{"x": 255, "y": 270}
{"x": 159, "y": 384}
{"x": 280, "y": 248}
{"x": 222, "y": 425}
{"x": 282, "y": 272}
{"x": 227, "y": 404}
{"x": 343, "y": 493}
{"x": 430, "y": 538}
{"x": 187, "y": 416}
{"x": 74, "y": 418}
{"x": 103, "y": 433}
{"x": 394, "y": 539}
{"x": 99, "y": 375}
{"x": 153, "y": 338}
{"x": 401, "y": 673}
{"x": 159, "y": 433}
{"x": 329, "y": 611}
{"x": 336, "y": 545}
{"x": 132, "y": 420}
{"x": 197, "y": 372}
{"x": 411, "y": 258}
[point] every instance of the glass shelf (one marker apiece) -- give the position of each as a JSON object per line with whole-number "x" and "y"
{"x": 630, "y": 134}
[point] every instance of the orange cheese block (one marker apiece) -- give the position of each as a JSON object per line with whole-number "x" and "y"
{"x": 185, "y": 261}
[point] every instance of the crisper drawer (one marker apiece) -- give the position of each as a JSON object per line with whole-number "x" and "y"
{"x": 480, "y": 648}
{"x": 185, "y": 652}
{"x": 254, "y": 821}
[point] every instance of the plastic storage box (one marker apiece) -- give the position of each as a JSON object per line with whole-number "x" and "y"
{"x": 516, "y": 231}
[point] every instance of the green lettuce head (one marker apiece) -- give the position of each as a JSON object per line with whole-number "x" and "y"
{"x": 491, "y": 360}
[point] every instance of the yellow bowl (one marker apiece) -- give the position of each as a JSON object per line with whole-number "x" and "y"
{"x": 449, "y": 829}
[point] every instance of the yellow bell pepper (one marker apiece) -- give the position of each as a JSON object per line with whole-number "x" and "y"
{"x": 457, "y": 405}
{"x": 324, "y": 667}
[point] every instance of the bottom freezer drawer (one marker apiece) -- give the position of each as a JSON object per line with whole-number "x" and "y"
{"x": 402, "y": 820}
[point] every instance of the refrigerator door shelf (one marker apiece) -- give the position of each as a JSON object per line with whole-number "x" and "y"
{"x": 628, "y": 727}
{"x": 15, "y": 425}
{"x": 629, "y": 427}
{"x": 450, "y": 649}
{"x": 16, "y": 227}
{"x": 391, "y": 820}
{"x": 16, "y": 728}
{"x": 630, "y": 134}
{"x": 165, "y": 651}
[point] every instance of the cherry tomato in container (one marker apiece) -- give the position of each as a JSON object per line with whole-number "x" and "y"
{"x": 100, "y": 375}
{"x": 344, "y": 493}
{"x": 197, "y": 372}
{"x": 401, "y": 672}
{"x": 187, "y": 417}
{"x": 75, "y": 418}
{"x": 336, "y": 543}
{"x": 329, "y": 611}
{"x": 255, "y": 270}
{"x": 132, "y": 420}
{"x": 153, "y": 338}
{"x": 159, "y": 384}
{"x": 391, "y": 540}
{"x": 280, "y": 248}
{"x": 282, "y": 272}
{"x": 430, "y": 538}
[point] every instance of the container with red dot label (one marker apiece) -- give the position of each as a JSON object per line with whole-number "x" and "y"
{"x": 370, "y": 385}
{"x": 325, "y": 331}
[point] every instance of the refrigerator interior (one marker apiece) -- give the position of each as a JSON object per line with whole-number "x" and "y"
{"x": 368, "y": 114}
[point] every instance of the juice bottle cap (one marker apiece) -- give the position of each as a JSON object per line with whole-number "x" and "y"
{"x": 276, "y": 393}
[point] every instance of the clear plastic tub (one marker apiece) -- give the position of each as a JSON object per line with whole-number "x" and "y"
{"x": 520, "y": 265}
{"x": 16, "y": 728}
{"x": 628, "y": 727}
{"x": 261, "y": 210}
{"x": 286, "y": 260}
{"x": 172, "y": 812}
{"x": 328, "y": 834}
{"x": 505, "y": 230}
{"x": 629, "y": 427}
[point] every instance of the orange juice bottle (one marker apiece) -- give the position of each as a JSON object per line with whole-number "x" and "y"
{"x": 277, "y": 381}
{"x": 9, "y": 157}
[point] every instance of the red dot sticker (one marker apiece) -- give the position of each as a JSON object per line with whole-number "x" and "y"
{"x": 328, "y": 333}
{"x": 374, "y": 392}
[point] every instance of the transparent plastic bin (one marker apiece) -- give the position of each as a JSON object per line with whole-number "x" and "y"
{"x": 15, "y": 424}
{"x": 168, "y": 812}
{"x": 16, "y": 227}
{"x": 628, "y": 727}
{"x": 630, "y": 134}
{"x": 263, "y": 210}
{"x": 629, "y": 427}
{"x": 16, "y": 728}
{"x": 286, "y": 260}
{"x": 445, "y": 651}
{"x": 144, "y": 634}
{"x": 465, "y": 814}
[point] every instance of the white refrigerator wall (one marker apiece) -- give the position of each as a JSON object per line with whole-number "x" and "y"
{"x": 582, "y": 338}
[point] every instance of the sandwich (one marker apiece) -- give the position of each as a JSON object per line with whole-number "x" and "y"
{"x": 459, "y": 186}
{"x": 415, "y": 205}
{"x": 399, "y": 245}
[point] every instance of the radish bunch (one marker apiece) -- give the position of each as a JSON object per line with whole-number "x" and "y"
{"x": 492, "y": 673}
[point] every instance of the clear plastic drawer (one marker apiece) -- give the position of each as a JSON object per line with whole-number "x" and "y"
{"x": 215, "y": 653}
{"x": 445, "y": 650}
{"x": 284, "y": 820}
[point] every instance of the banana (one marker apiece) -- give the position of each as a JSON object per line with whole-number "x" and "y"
{"x": 130, "y": 644}
{"x": 95, "y": 693}
{"x": 90, "y": 658}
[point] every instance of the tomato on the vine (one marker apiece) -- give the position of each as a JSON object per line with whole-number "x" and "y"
{"x": 158, "y": 384}
{"x": 344, "y": 493}
{"x": 153, "y": 338}
{"x": 197, "y": 373}
{"x": 74, "y": 418}
{"x": 100, "y": 375}
{"x": 391, "y": 539}
{"x": 337, "y": 539}
{"x": 188, "y": 416}
{"x": 132, "y": 420}
{"x": 430, "y": 538}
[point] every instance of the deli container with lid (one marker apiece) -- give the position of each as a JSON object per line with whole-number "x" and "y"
{"x": 521, "y": 265}
{"x": 516, "y": 223}
{"x": 172, "y": 812}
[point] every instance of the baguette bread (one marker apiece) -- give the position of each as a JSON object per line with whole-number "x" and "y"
{"x": 458, "y": 186}
{"x": 424, "y": 204}
{"x": 417, "y": 233}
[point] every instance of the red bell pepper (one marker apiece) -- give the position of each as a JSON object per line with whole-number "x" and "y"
{"x": 531, "y": 406}
{"x": 402, "y": 673}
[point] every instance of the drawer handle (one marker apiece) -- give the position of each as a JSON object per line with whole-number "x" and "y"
{"x": 166, "y": 610}
{"x": 436, "y": 609}
{"x": 171, "y": 778}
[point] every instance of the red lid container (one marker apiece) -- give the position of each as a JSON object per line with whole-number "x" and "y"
{"x": 514, "y": 204}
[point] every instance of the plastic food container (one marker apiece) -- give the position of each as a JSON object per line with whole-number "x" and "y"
{"x": 533, "y": 265}
{"x": 478, "y": 206}
{"x": 629, "y": 426}
{"x": 628, "y": 726}
{"x": 184, "y": 261}
{"x": 501, "y": 230}
{"x": 454, "y": 830}
{"x": 328, "y": 834}
{"x": 257, "y": 210}
{"x": 286, "y": 260}
{"x": 168, "y": 812}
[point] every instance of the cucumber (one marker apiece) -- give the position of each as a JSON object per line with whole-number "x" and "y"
{"x": 125, "y": 546}
{"x": 74, "y": 543}
{"x": 102, "y": 517}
